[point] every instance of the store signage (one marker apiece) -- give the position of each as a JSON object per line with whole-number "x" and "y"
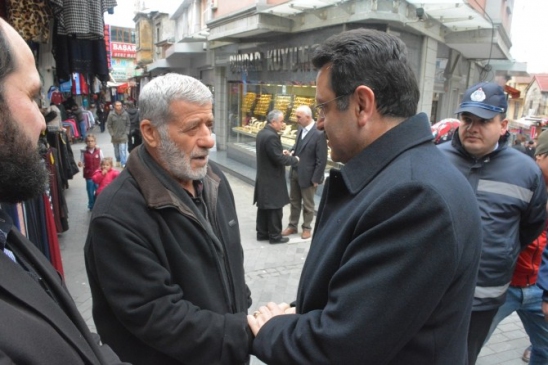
{"x": 106, "y": 32}
{"x": 289, "y": 59}
{"x": 280, "y": 59}
{"x": 123, "y": 50}
{"x": 244, "y": 62}
{"x": 122, "y": 69}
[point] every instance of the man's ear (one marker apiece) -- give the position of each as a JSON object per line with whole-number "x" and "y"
{"x": 149, "y": 133}
{"x": 504, "y": 125}
{"x": 365, "y": 103}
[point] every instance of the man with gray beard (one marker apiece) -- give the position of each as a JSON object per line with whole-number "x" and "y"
{"x": 163, "y": 252}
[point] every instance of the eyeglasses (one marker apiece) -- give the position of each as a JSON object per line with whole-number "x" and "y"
{"x": 320, "y": 108}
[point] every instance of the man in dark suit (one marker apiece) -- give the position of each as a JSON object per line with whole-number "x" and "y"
{"x": 270, "y": 186}
{"x": 396, "y": 215}
{"x": 40, "y": 322}
{"x": 311, "y": 148}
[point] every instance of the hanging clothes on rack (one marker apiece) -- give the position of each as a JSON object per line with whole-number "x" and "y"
{"x": 33, "y": 218}
{"x": 40, "y": 219}
{"x": 64, "y": 156}
{"x": 78, "y": 37}
{"x": 30, "y": 18}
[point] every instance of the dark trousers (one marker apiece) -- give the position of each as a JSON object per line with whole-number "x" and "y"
{"x": 269, "y": 223}
{"x": 480, "y": 322}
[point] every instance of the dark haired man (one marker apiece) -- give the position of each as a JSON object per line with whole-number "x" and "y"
{"x": 118, "y": 126}
{"x": 511, "y": 194}
{"x": 389, "y": 278}
{"x": 40, "y": 322}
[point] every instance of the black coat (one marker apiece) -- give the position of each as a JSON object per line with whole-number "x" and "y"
{"x": 168, "y": 286}
{"x": 270, "y": 184}
{"x": 392, "y": 266}
{"x": 34, "y": 328}
{"x": 312, "y": 153}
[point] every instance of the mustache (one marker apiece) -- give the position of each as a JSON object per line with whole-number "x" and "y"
{"x": 200, "y": 153}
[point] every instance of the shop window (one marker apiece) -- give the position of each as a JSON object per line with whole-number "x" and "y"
{"x": 249, "y": 104}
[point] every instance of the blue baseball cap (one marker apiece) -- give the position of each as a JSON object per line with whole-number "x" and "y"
{"x": 484, "y": 100}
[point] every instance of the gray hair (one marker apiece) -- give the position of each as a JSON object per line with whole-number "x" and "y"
{"x": 274, "y": 114}
{"x": 156, "y": 97}
{"x": 305, "y": 109}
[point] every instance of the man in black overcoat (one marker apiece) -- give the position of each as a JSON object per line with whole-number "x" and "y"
{"x": 40, "y": 322}
{"x": 270, "y": 186}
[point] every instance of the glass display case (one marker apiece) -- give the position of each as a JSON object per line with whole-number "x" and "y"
{"x": 249, "y": 104}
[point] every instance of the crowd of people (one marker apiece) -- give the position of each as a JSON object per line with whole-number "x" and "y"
{"x": 418, "y": 250}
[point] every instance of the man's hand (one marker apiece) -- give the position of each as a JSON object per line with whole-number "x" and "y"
{"x": 80, "y": 164}
{"x": 263, "y": 315}
{"x": 545, "y": 310}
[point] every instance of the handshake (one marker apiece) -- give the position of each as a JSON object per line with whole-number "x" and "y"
{"x": 265, "y": 313}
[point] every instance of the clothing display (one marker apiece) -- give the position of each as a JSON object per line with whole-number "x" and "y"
{"x": 81, "y": 18}
{"x": 30, "y": 18}
{"x": 78, "y": 44}
{"x": 41, "y": 219}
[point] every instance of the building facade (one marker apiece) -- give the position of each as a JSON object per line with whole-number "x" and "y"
{"x": 255, "y": 54}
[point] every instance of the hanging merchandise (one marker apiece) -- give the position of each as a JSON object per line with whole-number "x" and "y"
{"x": 122, "y": 89}
{"x": 75, "y": 90}
{"x": 30, "y": 18}
{"x": 79, "y": 84}
{"x": 56, "y": 96}
{"x": 96, "y": 86}
{"x": 78, "y": 44}
{"x": 84, "y": 85}
{"x": 3, "y": 9}
{"x": 43, "y": 218}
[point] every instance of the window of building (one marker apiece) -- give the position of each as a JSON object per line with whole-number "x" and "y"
{"x": 123, "y": 35}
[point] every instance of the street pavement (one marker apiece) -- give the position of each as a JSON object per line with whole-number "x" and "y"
{"x": 272, "y": 271}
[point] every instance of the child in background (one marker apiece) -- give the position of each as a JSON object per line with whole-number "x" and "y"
{"x": 90, "y": 160}
{"x": 105, "y": 175}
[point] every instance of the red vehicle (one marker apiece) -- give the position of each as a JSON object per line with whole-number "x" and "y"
{"x": 444, "y": 129}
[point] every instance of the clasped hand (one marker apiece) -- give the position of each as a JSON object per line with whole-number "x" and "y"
{"x": 265, "y": 313}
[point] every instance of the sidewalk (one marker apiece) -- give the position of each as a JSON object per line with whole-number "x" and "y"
{"x": 272, "y": 271}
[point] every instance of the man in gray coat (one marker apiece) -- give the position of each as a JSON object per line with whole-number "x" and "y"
{"x": 118, "y": 126}
{"x": 270, "y": 187}
{"x": 311, "y": 148}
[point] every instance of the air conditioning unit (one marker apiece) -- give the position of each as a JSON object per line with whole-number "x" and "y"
{"x": 214, "y": 4}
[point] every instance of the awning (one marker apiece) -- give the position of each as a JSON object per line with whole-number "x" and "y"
{"x": 122, "y": 88}
{"x": 514, "y": 93}
{"x": 525, "y": 122}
